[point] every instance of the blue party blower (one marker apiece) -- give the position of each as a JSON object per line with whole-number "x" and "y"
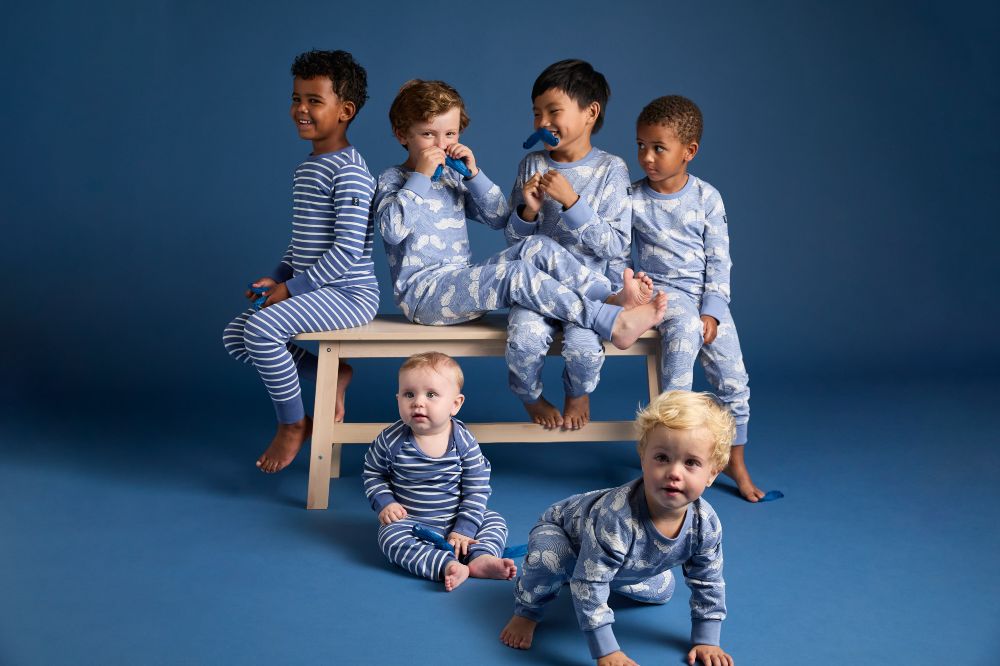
{"x": 439, "y": 541}
{"x": 457, "y": 165}
{"x": 260, "y": 291}
{"x": 541, "y": 134}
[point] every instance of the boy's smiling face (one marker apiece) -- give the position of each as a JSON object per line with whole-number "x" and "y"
{"x": 676, "y": 468}
{"x": 663, "y": 156}
{"x": 440, "y": 131}
{"x": 427, "y": 399}
{"x": 560, "y": 114}
{"x": 319, "y": 113}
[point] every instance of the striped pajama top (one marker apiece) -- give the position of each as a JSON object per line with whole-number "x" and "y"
{"x": 332, "y": 229}
{"x": 440, "y": 491}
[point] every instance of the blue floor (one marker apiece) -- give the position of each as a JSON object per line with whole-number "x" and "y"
{"x": 155, "y": 541}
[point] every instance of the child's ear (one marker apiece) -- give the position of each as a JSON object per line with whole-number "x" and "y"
{"x": 399, "y": 137}
{"x": 711, "y": 479}
{"x": 593, "y": 111}
{"x": 347, "y": 111}
{"x": 457, "y": 405}
{"x": 690, "y": 151}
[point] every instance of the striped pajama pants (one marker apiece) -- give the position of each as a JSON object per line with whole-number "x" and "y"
{"x": 263, "y": 338}
{"x": 424, "y": 559}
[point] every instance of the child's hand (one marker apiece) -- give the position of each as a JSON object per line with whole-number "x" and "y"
{"x": 276, "y": 295}
{"x": 709, "y": 655}
{"x": 391, "y": 513}
{"x": 555, "y": 185}
{"x": 709, "y": 328}
{"x": 618, "y": 658}
{"x": 261, "y": 282}
{"x": 429, "y": 160}
{"x": 464, "y": 153}
{"x": 532, "y": 198}
{"x": 461, "y": 543}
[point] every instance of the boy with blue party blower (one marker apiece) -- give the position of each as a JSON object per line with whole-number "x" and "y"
{"x": 577, "y": 195}
{"x": 423, "y": 225}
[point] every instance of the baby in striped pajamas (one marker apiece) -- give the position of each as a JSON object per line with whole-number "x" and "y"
{"x": 326, "y": 278}
{"x": 627, "y": 539}
{"x": 681, "y": 237}
{"x": 427, "y": 468}
{"x": 577, "y": 195}
{"x": 423, "y": 225}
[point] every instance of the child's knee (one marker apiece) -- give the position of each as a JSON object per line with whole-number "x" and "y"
{"x": 582, "y": 342}
{"x": 528, "y": 335}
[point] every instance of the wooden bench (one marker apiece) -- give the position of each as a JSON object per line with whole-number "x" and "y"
{"x": 393, "y": 336}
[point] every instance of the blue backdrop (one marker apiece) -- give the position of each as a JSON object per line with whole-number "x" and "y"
{"x": 148, "y": 156}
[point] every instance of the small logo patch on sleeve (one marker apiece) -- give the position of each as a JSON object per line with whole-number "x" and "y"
{"x": 355, "y": 201}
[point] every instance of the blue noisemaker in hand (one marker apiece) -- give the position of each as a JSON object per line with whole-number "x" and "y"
{"x": 541, "y": 134}
{"x": 457, "y": 165}
{"x": 260, "y": 291}
{"x": 439, "y": 541}
{"x": 771, "y": 495}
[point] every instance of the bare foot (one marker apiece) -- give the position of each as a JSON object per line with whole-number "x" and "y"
{"x": 738, "y": 472}
{"x": 455, "y": 574}
{"x": 631, "y": 324}
{"x": 518, "y": 633}
{"x": 637, "y": 289}
{"x": 285, "y": 445}
{"x": 576, "y": 412}
{"x": 490, "y": 566}
{"x": 544, "y": 413}
{"x": 344, "y": 374}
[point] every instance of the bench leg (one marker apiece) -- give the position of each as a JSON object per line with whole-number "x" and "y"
{"x": 324, "y": 456}
{"x": 653, "y": 374}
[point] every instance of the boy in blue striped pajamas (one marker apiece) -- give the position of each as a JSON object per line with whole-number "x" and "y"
{"x": 423, "y": 224}
{"x": 325, "y": 279}
{"x": 427, "y": 468}
{"x": 627, "y": 539}
{"x": 577, "y": 195}
{"x": 681, "y": 235}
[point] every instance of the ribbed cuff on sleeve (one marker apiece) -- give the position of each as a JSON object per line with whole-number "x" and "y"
{"x": 601, "y": 641}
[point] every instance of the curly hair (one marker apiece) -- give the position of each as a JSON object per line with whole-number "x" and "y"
{"x": 687, "y": 410}
{"x": 580, "y": 81}
{"x": 438, "y": 362}
{"x": 419, "y": 101}
{"x": 679, "y": 113}
{"x": 349, "y": 79}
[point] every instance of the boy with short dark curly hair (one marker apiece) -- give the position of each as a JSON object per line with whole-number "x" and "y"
{"x": 681, "y": 235}
{"x": 326, "y": 278}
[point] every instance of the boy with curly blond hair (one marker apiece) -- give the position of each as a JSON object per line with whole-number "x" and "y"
{"x": 627, "y": 539}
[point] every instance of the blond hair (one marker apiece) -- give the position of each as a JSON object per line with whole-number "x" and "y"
{"x": 419, "y": 101}
{"x": 435, "y": 361}
{"x": 686, "y": 410}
